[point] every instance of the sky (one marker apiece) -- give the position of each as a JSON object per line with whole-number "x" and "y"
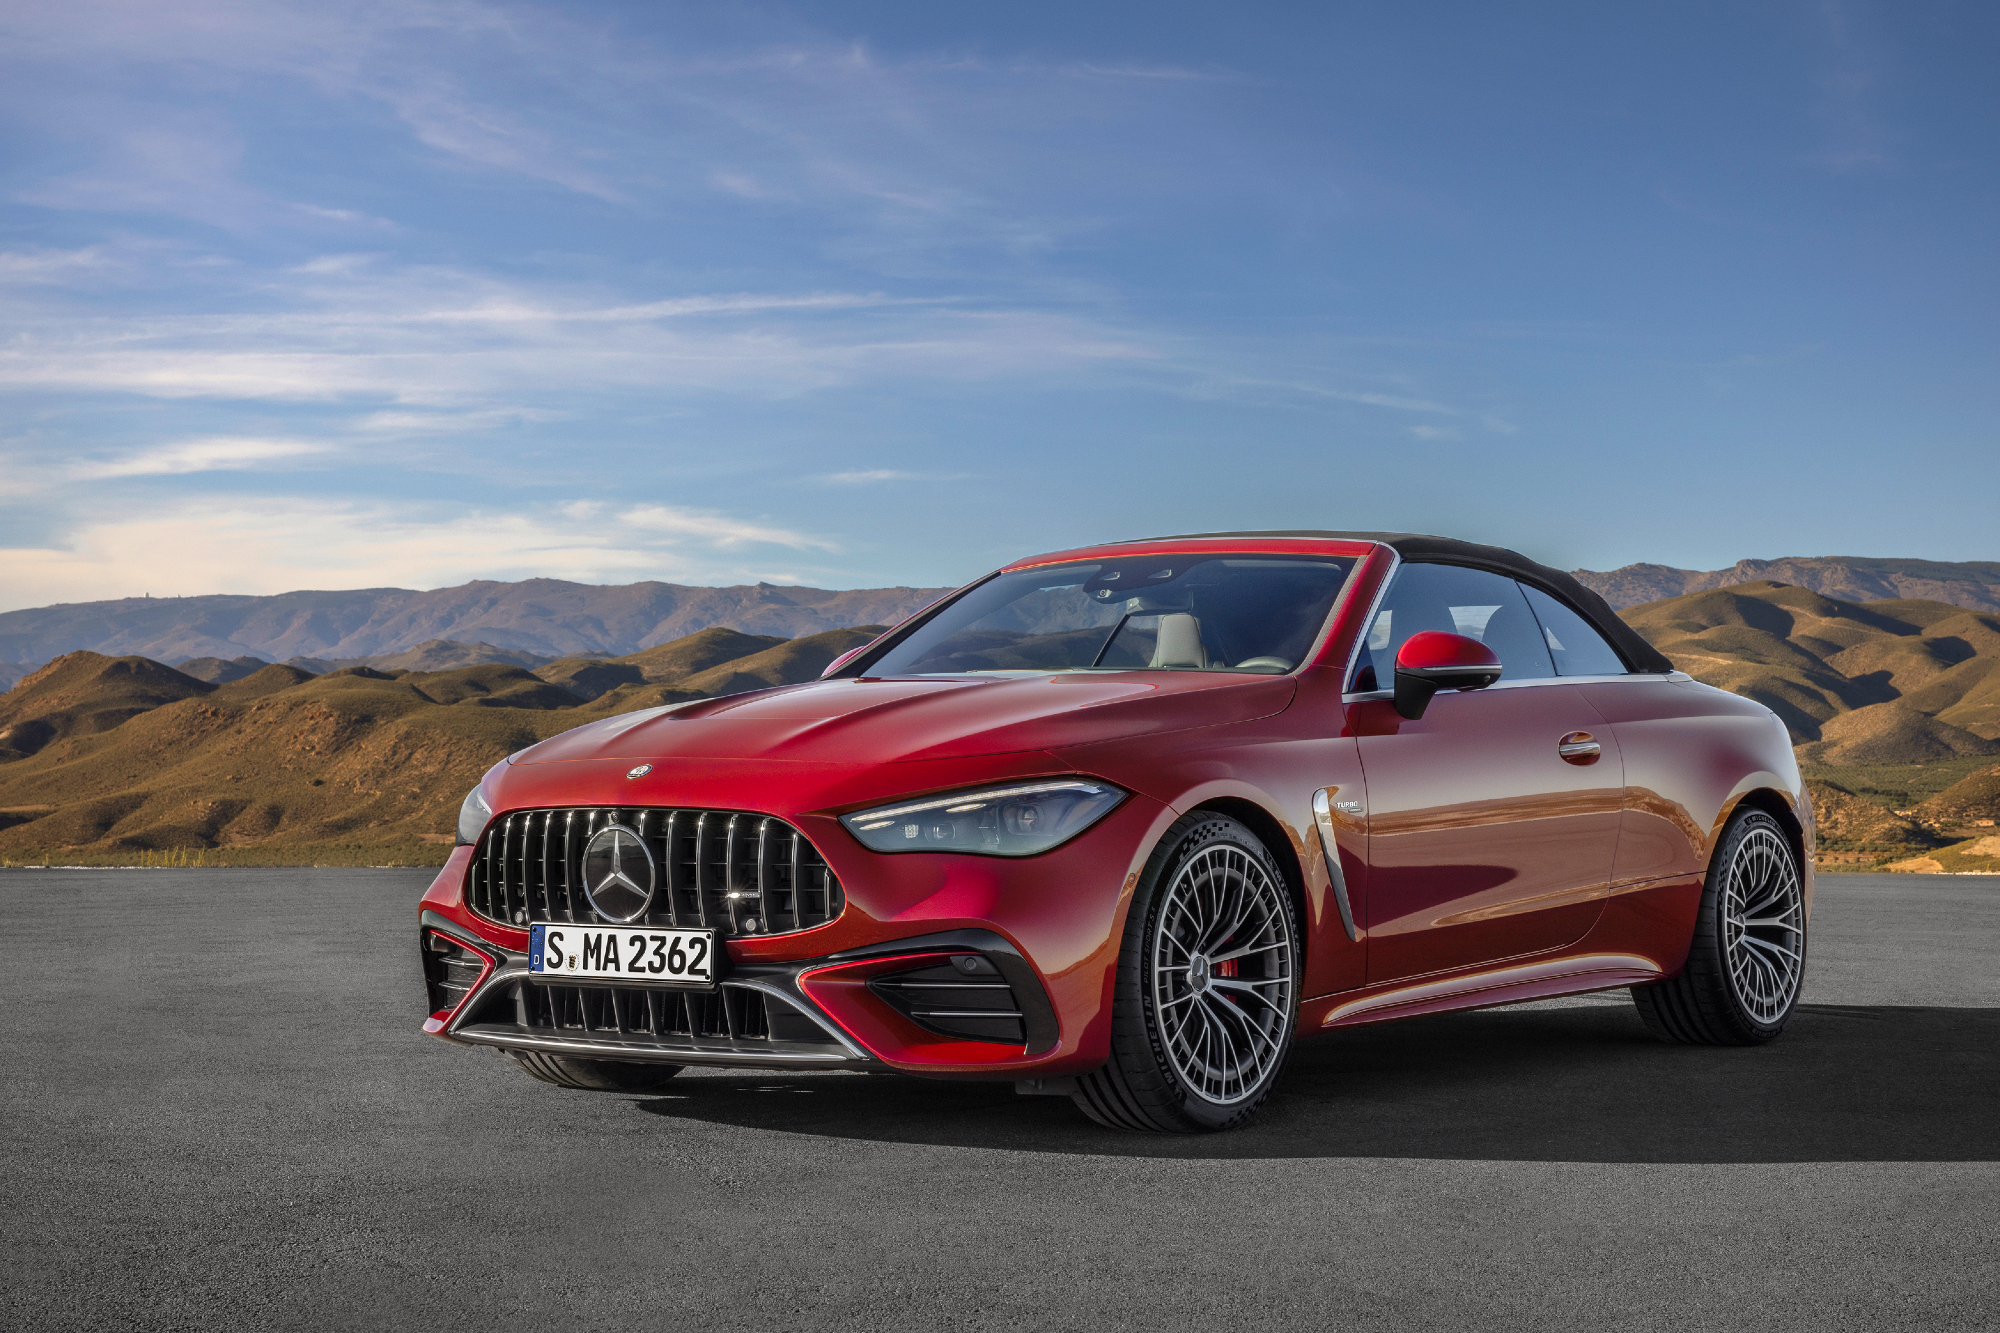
{"x": 337, "y": 295}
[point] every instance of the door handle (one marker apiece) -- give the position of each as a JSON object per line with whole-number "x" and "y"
{"x": 1579, "y": 747}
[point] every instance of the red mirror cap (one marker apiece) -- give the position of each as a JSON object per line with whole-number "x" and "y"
{"x": 1434, "y": 650}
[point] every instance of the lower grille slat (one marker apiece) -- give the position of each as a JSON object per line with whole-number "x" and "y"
{"x": 725, "y": 869}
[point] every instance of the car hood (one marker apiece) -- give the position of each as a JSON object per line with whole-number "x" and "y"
{"x": 863, "y": 721}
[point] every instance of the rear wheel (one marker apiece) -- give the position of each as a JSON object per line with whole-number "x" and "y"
{"x": 1748, "y": 958}
{"x": 593, "y": 1075}
{"x": 1207, "y": 992}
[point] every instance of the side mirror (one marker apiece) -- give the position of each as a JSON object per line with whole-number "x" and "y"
{"x": 1430, "y": 661}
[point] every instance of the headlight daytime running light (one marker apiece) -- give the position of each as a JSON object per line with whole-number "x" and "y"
{"x": 473, "y": 817}
{"x": 1020, "y": 819}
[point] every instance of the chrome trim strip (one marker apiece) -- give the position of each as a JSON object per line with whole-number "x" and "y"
{"x": 1504, "y": 684}
{"x": 509, "y": 1037}
{"x": 1361, "y": 639}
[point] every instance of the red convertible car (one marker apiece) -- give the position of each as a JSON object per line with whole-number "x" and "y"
{"x": 1122, "y": 823}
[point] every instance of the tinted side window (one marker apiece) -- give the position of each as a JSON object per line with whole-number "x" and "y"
{"x": 1578, "y": 649}
{"x": 1472, "y": 602}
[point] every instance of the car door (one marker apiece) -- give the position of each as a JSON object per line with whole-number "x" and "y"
{"x": 1485, "y": 841}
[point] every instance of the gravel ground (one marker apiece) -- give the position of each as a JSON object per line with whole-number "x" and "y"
{"x": 222, "y": 1115}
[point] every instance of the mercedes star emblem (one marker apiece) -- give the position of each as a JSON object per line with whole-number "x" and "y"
{"x": 618, "y": 874}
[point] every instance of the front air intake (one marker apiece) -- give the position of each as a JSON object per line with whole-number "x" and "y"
{"x": 963, "y": 996}
{"x": 450, "y": 971}
{"x": 732, "y": 871}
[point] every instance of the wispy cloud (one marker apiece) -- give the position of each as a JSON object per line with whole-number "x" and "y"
{"x": 1850, "y": 71}
{"x": 723, "y": 531}
{"x": 1167, "y": 72}
{"x": 1296, "y": 389}
{"x": 285, "y": 543}
{"x": 56, "y": 266}
{"x": 443, "y": 338}
{"x": 876, "y": 476}
{"x": 449, "y": 423}
{"x": 213, "y": 455}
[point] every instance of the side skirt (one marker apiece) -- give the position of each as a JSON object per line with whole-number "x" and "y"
{"x": 1572, "y": 975}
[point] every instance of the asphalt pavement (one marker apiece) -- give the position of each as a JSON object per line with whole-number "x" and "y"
{"x": 220, "y": 1114}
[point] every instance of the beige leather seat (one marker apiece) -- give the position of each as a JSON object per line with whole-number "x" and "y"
{"x": 1179, "y": 642}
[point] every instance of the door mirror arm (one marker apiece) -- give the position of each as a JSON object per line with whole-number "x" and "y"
{"x": 1432, "y": 660}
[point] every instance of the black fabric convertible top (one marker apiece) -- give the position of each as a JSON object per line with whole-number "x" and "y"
{"x": 1418, "y": 548}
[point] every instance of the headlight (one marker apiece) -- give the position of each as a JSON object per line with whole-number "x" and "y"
{"x": 472, "y": 817}
{"x": 1017, "y": 820}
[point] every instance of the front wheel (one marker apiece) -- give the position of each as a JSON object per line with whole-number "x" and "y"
{"x": 1207, "y": 990}
{"x": 1748, "y": 957}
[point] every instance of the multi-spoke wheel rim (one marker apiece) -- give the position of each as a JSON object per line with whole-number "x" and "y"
{"x": 1764, "y": 926}
{"x": 1222, "y": 974}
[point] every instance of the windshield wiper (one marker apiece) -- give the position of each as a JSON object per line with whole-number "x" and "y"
{"x": 1108, "y": 640}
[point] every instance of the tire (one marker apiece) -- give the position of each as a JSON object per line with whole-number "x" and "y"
{"x": 1743, "y": 973}
{"x": 1196, "y": 1048}
{"x": 593, "y": 1075}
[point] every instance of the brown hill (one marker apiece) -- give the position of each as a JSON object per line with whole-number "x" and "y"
{"x": 431, "y": 655}
{"x": 131, "y": 758}
{"x": 1965, "y": 803}
{"x": 1973, "y": 583}
{"x": 783, "y": 664}
{"x": 218, "y": 672}
{"x": 1891, "y": 733}
{"x": 353, "y": 759}
{"x": 1812, "y": 659}
{"x": 489, "y": 686}
{"x": 1846, "y": 818}
{"x": 268, "y": 681}
{"x": 589, "y": 677}
{"x": 81, "y": 694}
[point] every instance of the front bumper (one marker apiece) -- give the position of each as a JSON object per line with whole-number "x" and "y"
{"x": 844, "y": 1011}
{"x": 828, "y": 997}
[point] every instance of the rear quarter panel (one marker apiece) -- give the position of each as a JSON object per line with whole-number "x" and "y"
{"x": 1693, "y": 754}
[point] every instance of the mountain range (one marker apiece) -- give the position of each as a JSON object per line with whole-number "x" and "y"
{"x": 538, "y": 620}
{"x": 545, "y": 618}
{"x": 1973, "y": 584}
{"x": 1893, "y": 705}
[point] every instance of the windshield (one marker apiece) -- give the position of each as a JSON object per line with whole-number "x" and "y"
{"x": 1258, "y": 613}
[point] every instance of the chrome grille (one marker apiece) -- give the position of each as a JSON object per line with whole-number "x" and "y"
{"x": 736, "y": 872}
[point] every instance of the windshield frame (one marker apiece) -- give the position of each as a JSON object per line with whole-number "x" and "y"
{"x": 1355, "y": 560}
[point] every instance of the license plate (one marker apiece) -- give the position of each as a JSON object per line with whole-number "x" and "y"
{"x": 598, "y": 953}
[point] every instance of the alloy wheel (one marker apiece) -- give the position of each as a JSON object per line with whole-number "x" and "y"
{"x": 1222, "y": 974}
{"x": 1763, "y": 926}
